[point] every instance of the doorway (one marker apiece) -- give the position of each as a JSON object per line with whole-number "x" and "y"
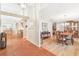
{"x": 14, "y": 29}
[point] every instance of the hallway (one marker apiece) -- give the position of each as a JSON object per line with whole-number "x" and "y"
{"x": 22, "y": 47}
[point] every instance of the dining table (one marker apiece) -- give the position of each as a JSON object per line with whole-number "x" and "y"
{"x": 65, "y": 35}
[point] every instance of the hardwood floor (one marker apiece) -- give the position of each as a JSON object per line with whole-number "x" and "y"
{"x": 22, "y": 47}
{"x": 61, "y": 50}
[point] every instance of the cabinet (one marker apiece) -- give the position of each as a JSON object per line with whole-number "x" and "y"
{"x": 73, "y": 25}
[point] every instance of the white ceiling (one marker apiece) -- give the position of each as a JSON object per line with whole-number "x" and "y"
{"x": 59, "y": 11}
{"x": 50, "y": 11}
